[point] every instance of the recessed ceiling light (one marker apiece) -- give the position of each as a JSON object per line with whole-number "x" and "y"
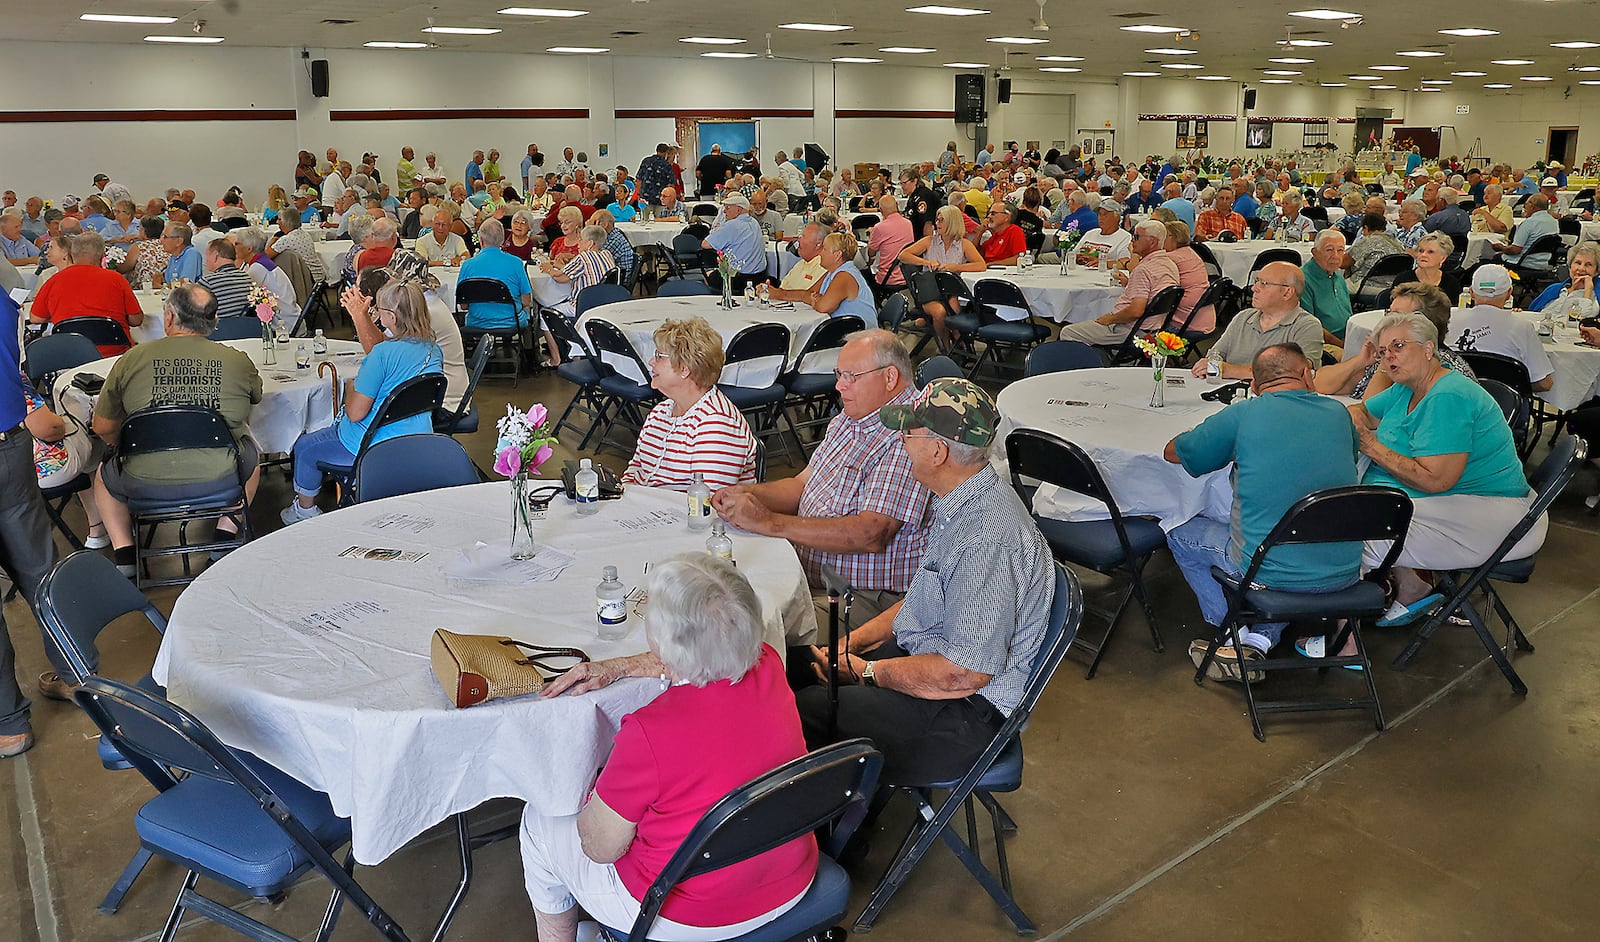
{"x": 126, "y": 18}
{"x": 1291, "y": 60}
{"x": 379, "y": 44}
{"x": 907, "y": 49}
{"x": 1536, "y": 78}
{"x": 1589, "y": 82}
{"x": 1512, "y": 61}
{"x": 966, "y": 65}
{"x": 1497, "y": 85}
{"x": 1326, "y": 15}
{"x": 1389, "y": 68}
{"x": 580, "y": 50}
{"x": 1017, "y": 40}
{"x": 1307, "y": 43}
{"x": 1182, "y": 65}
{"x": 1280, "y": 72}
{"x": 817, "y": 27}
{"x": 1152, "y": 28}
{"x": 1212, "y": 78}
{"x": 1364, "y": 78}
{"x": 1420, "y": 53}
{"x": 1470, "y": 31}
{"x": 947, "y": 11}
{"x": 1058, "y": 58}
{"x": 711, "y": 40}
{"x": 1167, "y": 51}
{"x": 728, "y": 55}
{"x": 1060, "y": 68}
{"x": 1333, "y": 85}
{"x": 1142, "y": 74}
{"x": 857, "y": 60}
{"x": 1276, "y": 82}
{"x": 199, "y": 40}
{"x": 1437, "y": 82}
{"x": 1469, "y": 74}
{"x": 1385, "y": 88}
{"x": 1576, "y": 44}
{"x": 543, "y": 11}
{"x": 460, "y": 30}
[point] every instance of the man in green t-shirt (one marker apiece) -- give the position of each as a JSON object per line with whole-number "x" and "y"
{"x": 184, "y": 368}
{"x": 1283, "y": 444}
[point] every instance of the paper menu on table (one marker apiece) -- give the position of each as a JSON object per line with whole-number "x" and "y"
{"x": 399, "y": 522}
{"x": 492, "y": 563}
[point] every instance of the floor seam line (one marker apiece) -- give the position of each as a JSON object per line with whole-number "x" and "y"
{"x": 33, "y": 842}
{"x": 1297, "y": 785}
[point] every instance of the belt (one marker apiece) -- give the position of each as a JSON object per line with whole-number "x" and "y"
{"x": 10, "y": 431}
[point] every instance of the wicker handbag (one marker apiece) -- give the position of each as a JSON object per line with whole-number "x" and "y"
{"x": 476, "y": 668}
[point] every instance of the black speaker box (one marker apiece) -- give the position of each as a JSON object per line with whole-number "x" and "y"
{"x": 1004, "y": 93}
{"x": 319, "y": 78}
{"x": 1249, "y": 99}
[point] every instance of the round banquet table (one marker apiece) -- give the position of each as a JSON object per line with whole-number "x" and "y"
{"x": 1576, "y": 365}
{"x": 293, "y": 401}
{"x": 1236, "y": 258}
{"x": 657, "y": 233}
{"x": 318, "y": 662}
{"x": 1080, "y": 295}
{"x": 640, "y": 317}
{"x": 1480, "y": 248}
{"x": 1106, "y": 412}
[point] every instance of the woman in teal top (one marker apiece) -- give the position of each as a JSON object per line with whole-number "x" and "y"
{"x": 409, "y": 351}
{"x": 1442, "y": 439}
{"x": 843, "y": 290}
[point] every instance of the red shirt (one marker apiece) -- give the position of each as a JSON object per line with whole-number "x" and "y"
{"x": 86, "y": 291}
{"x": 1008, "y": 244}
{"x": 682, "y": 753}
{"x": 375, "y": 258}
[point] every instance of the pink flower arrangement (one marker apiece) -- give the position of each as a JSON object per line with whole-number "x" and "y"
{"x": 524, "y": 441}
{"x": 264, "y": 303}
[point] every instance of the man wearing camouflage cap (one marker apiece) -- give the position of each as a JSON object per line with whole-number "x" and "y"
{"x": 944, "y": 667}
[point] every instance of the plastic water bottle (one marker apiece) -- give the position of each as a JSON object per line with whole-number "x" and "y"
{"x": 302, "y": 356}
{"x": 1213, "y": 370}
{"x": 1547, "y": 326}
{"x": 319, "y": 343}
{"x": 611, "y": 605}
{"x": 699, "y": 498}
{"x": 750, "y": 293}
{"x": 719, "y": 544}
{"x": 587, "y": 484}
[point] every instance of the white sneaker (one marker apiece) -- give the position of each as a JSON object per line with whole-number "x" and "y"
{"x": 294, "y": 513}
{"x": 96, "y": 542}
{"x": 1592, "y": 501}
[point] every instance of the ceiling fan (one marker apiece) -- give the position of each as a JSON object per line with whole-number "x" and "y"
{"x": 1039, "y": 25}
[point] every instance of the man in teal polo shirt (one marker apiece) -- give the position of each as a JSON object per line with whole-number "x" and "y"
{"x": 1283, "y": 444}
{"x": 1326, "y": 294}
{"x": 493, "y": 262}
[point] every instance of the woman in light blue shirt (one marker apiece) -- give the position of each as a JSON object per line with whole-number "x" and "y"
{"x": 844, "y": 289}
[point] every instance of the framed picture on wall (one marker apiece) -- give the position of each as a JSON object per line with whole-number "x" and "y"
{"x": 1202, "y": 137}
{"x": 1258, "y": 135}
{"x": 1184, "y": 138}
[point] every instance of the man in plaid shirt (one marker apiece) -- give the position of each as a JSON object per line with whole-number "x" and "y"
{"x": 856, "y": 506}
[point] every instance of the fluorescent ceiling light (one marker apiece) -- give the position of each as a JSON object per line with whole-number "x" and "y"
{"x": 1512, "y": 61}
{"x": 711, "y": 40}
{"x": 1429, "y": 88}
{"x": 1167, "y": 51}
{"x": 728, "y": 55}
{"x": 380, "y": 44}
{"x": 543, "y": 11}
{"x": 1326, "y": 15}
{"x": 1437, "y": 82}
{"x": 1280, "y": 72}
{"x": 1581, "y": 68}
{"x": 1182, "y": 65}
{"x": 817, "y": 27}
{"x": 909, "y": 50}
{"x": 1212, "y": 78}
{"x": 126, "y": 18}
{"x": 1058, "y": 58}
{"x": 1420, "y": 54}
{"x": 461, "y": 30}
{"x": 1291, "y": 60}
{"x": 1276, "y": 82}
{"x": 1385, "y": 88}
{"x": 1497, "y": 85}
{"x": 1389, "y": 68}
{"x": 1152, "y": 28}
{"x": 1576, "y": 44}
{"x": 1536, "y": 78}
{"x": 1142, "y": 74}
{"x": 1333, "y": 85}
{"x": 199, "y": 40}
{"x": 947, "y": 11}
{"x": 966, "y": 65}
{"x": 1364, "y": 78}
{"x": 1470, "y": 31}
{"x": 1306, "y": 43}
{"x": 858, "y": 60}
{"x": 1589, "y": 82}
{"x": 1017, "y": 40}
{"x": 1469, "y": 74}
{"x": 580, "y": 50}
{"x": 1060, "y": 68}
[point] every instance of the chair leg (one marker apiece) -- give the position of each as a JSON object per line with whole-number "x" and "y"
{"x": 1514, "y": 636}
{"x": 1244, "y": 680}
{"x": 124, "y": 883}
{"x": 972, "y": 825}
{"x": 1493, "y": 647}
{"x": 1111, "y": 629}
{"x": 330, "y": 917}
{"x": 996, "y": 816}
{"x": 1144, "y": 601}
{"x": 176, "y": 916}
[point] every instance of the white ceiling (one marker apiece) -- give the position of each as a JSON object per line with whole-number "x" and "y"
{"x": 1233, "y": 42}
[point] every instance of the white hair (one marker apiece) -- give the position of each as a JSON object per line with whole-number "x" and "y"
{"x": 704, "y": 619}
{"x": 252, "y": 238}
{"x": 385, "y": 230}
{"x": 1328, "y": 235}
{"x": 1154, "y": 228}
{"x": 1413, "y": 323}
{"x": 595, "y": 234}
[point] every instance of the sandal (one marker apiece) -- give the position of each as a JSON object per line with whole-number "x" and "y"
{"x": 1316, "y": 647}
{"x": 1399, "y": 615}
{"x": 1225, "y": 663}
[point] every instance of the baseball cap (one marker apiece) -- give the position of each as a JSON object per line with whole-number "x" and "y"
{"x": 1490, "y": 281}
{"x": 1019, "y": 177}
{"x": 1549, "y": 181}
{"x": 306, "y": 192}
{"x": 69, "y": 200}
{"x": 101, "y": 178}
{"x": 736, "y": 199}
{"x": 953, "y": 408}
{"x": 1112, "y": 206}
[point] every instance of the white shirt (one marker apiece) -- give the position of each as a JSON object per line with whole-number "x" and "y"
{"x": 794, "y": 182}
{"x": 1113, "y": 247}
{"x": 429, "y": 248}
{"x": 279, "y": 284}
{"x": 1496, "y": 330}
{"x": 333, "y": 187}
{"x": 204, "y": 237}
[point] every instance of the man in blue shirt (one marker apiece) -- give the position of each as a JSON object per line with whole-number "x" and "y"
{"x": 1476, "y": 185}
{"x": 183, "y": 259}
{"x": 655, "y": 174}
{"x": 741, "y": 238}
{"x": 1266, "y": 440}
{"x": 985, "y": 155}
{"x": 1081, "y": 211}
{"x": 1244, "y": 201}
{"x": 1527, "y": 184}
{"x": 96, "y": 217}
{"x": 1147, "y": 198}
{"x": 1536, "y": 223}
{"x": 474, "y": 170}
{"x": 534, "y": 159}
{"x": 1180, "y": 207}
{"x": 493, "y": 262}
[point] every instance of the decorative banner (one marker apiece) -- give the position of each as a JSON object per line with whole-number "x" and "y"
{"x": 1188, "y": 117}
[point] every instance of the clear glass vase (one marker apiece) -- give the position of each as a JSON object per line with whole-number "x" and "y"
{"x": 1158, "y": 369}
{"x": 269, "y": 347}
{"x": 521, "y": 518}
{"x": 727, "y": 292}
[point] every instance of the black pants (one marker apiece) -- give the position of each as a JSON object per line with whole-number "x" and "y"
{"x": 922, "y": 741}
{"x": 1585, "y": 423}
{"x": 27, "y": 551}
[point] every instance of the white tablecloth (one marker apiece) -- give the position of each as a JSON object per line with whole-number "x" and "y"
{"x": 332, "y": 253}
{"x": 351, "y": 706}
{"x": 293, "y": 401}
{"x": 657, "y": 233}
{"x": 639, "y": 319}
{"x": 1237, "y": 257}
{"x": 1577, "y": 367}
{"x": 1082, "y": 295}
{"x": 1480, "y": 248}
{"x": 1124, "y": 436}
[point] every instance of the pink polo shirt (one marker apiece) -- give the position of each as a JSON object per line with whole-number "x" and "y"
{"x": 889, "y": 238}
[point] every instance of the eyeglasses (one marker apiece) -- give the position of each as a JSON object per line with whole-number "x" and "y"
{"x": 904, "y": 435}
{"x": 845, "y": 376}
{"x": 1275, "y": 284}
{"x": 1397, "y": 347}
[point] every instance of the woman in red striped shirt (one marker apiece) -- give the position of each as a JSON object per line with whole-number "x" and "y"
{"x": 696, "y": 429}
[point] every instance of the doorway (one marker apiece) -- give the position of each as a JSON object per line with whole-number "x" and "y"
{"x": 1563, "y": 146}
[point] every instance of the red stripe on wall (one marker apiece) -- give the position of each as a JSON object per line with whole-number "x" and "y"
{"x": 74, "y": 117}
{"x": 937, "y": 115}
{"x": 403, "y": 114}
{"x": 737, "y": 114}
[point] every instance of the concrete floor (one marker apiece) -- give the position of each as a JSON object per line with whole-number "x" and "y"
{"x": 1148, "y": 810}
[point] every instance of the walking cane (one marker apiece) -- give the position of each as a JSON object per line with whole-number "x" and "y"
{"x": 839, "y": 593}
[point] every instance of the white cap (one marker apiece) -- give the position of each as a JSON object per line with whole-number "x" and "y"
{"x": 1490, "y": 281}
{"x": 1549, "y": 181}
{"x": 737, "y": 199}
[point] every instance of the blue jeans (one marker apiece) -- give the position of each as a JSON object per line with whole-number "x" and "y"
{"x": 312, "y": 447}
{"x": 1202, "y": 543}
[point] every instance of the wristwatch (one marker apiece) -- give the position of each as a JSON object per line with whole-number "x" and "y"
{"x": 869, "y": 674}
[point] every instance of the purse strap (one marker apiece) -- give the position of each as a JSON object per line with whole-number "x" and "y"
{"x": 543, "y": 652}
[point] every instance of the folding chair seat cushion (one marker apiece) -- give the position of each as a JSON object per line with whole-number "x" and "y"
{"x": 822, "y": 905}
{"x": 1094, "y": 542}
{"x": 963, "y": 323}
{"x": 1012, "y": 332}
{"x": 160, "y": 498}
{"x": 219, "y": 830}
{"x": 1364, "y": 598}
{"x": 579, "y": 372}
{"x": 811, "y": 384}
{"x": 1004, "y": 776}
{"x": 619, "y": 385}
{"x": 467, "y": 423}
{"x": 1513, "y": 570}
{"x": 754, "y": 397}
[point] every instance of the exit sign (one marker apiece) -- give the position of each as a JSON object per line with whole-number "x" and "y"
{"x": 1463, "y": 109}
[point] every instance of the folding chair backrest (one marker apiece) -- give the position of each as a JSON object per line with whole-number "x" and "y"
{"x": 1268, "y": 256}
{"x": 1066, "y": 616}
{"x": 894, "y": 310}
{"x": 681, "y": 288}
{"x": 1213, "y": 267}
{"x": 785, "y": 804}
{"x": 471, "y": 291}
{"x": 411, "y": 463}
{"x": 758, "y": 342}
{"x": 1217, "y": 292}
{"x": 1508, "y": 370}
{"x": 104, "y": 331}
{"x": 78, "y": 598}
{"x": 939, "y": 367}
{"x": 761, "y": 462}
{"x": 1549, "y": 247}
{"x": 1158, "y": 314}
{"x": 1356, "y": 514}
{"x": 1512, "y": 406}
{"x": 1054, "y": 460}
{"x": 704, "y": 209}
{"x": 566, "y": 334}
{"x": 419, "y": 395}
{"x": 829, "y": 335}
{"x": 237, "y": 327}
{"x": 607, "y": 337}
{"x": 652, "y": 253}
{"x": 55, "y": 353}
{"x": 596, "y": 295}
{"x": 996, "y": 292}
{"x": 1554, "y": 473}
{"x": 173, "y": 428}
{"x": 1057, "y": 356}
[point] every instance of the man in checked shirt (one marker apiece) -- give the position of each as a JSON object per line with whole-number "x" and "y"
{"x": 856, "y": 506}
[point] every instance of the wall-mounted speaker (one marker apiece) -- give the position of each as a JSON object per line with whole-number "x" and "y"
{"x": 1249, "y": 99}
{"x": 1004, "y": 94}
{"x": 319, "y": 78}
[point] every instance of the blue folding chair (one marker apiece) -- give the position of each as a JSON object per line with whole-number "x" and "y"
{"x": 682, "y": 288}
{"x": 237, "y": 327}
{"x": 412, "y": 463}
{"x": 419, "y": 395}
{"x": 599, "y": 295}
{"x": 1058, "y": 356}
